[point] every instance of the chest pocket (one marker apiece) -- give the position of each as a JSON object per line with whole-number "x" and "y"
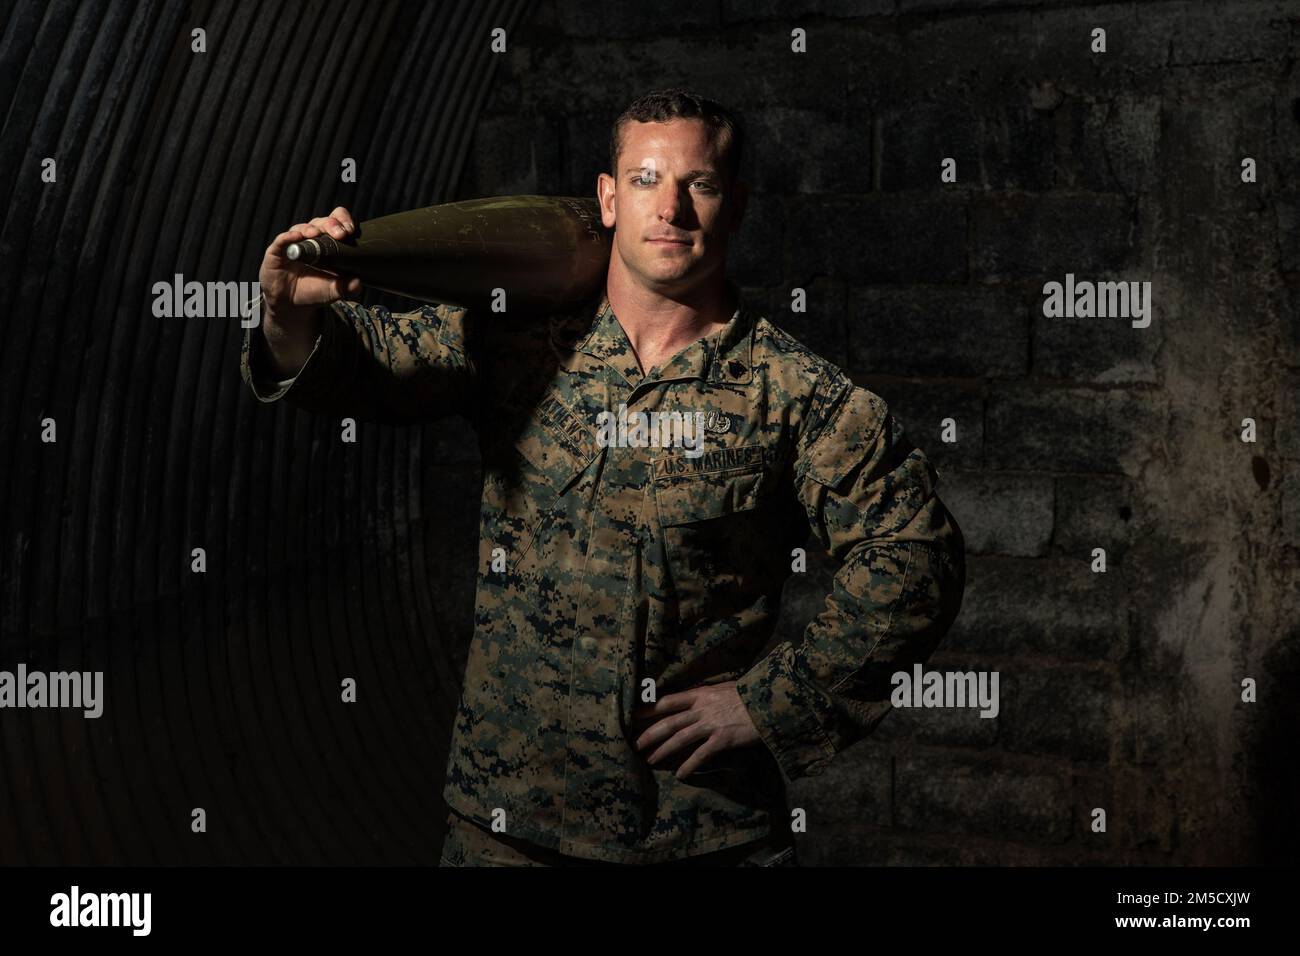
{"x": 718, "y": 483}
{"x": 716, "y": 526}
{"x": 539, "y": 464}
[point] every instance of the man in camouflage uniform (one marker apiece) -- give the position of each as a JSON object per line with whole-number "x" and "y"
{"x": 615, "y": 708}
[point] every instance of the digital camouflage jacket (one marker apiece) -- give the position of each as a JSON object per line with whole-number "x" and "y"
{"x": 605, "y": 566}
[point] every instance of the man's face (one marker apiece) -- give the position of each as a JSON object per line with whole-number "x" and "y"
{"x": 670, "y": 205}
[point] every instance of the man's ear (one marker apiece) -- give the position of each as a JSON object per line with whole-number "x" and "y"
{"x": 605, "y": 193}
{"x": 739, "y": 197}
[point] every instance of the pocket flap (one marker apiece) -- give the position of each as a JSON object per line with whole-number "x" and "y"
{"x": 717, "y": 483}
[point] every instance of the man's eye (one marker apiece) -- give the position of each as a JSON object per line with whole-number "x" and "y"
{"x": 647, "y": 180}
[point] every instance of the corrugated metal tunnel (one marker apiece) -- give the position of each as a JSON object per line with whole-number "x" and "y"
{"x": 222, "y": 688}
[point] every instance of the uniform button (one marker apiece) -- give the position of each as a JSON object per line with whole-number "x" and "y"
{"x": 736, "y": 369}
{"x": 588, "y": 644}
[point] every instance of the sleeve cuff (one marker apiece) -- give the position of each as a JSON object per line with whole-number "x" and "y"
{"x": 253, "y": 365}
{"x": 785, "y": 715}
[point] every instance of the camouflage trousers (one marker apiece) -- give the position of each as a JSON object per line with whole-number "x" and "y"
{"x": 468, "y": 844}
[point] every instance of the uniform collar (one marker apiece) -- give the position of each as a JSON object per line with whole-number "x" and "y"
{"x": 725, "y": 357}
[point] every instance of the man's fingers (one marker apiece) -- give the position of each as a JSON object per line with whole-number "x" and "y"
{"x": 330, "y": 226}
{"x": 702, "y": 753}
{"x": 346, "y": 285}
{"x": 661, "y": 730}
{"x": 668, "y": 704}
{"x": 344, "y": 218}
{"x": 338, "y": 224}
{"x": 281, "y": 242}
{"x": 286, "y": 237}
{"x": 687, "y": 735}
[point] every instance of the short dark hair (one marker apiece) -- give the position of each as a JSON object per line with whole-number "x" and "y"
{"x": 659, "y": 106}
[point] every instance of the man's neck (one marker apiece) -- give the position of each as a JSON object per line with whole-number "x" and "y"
{"x": 659, "y": 326}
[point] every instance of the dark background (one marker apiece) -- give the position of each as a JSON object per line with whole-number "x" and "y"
{"x": 326, "y": 560}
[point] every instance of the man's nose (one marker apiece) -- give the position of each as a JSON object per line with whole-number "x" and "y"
{"x": 671, "y": 204}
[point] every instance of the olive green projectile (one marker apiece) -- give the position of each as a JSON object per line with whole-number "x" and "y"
{"x": 544, "y": 252}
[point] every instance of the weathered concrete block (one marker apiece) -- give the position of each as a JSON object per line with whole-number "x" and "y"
{"x": 630, "y": 20}
{"x": 1103, "y": 350}
{"x": 1064, "y": 713}
{"x": 1235, "y": 33}
{"x": 1043, "y": 607}
{"x": 957, "y": 331}
{"x": 1044, "y": 237}
{"x": 1062, "y": 429}
{"x": 950, "y": 726}
{"x": 915, "y": 141}
{"x": 810, "y": 151}
{"x": 755, "y": 252}
{"x": 1096, "y": 511}
{"x": 879, "y": 239}
{"x": 744, "y": 11}
{"x": 515, "y": 155}
{"x": 1001, "y": 513}
{"x": 855, "y": 790}
{"x": 947, "y": 793}
{"x": 1109, "y": 146}
{"x": 1288, "y": 421}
